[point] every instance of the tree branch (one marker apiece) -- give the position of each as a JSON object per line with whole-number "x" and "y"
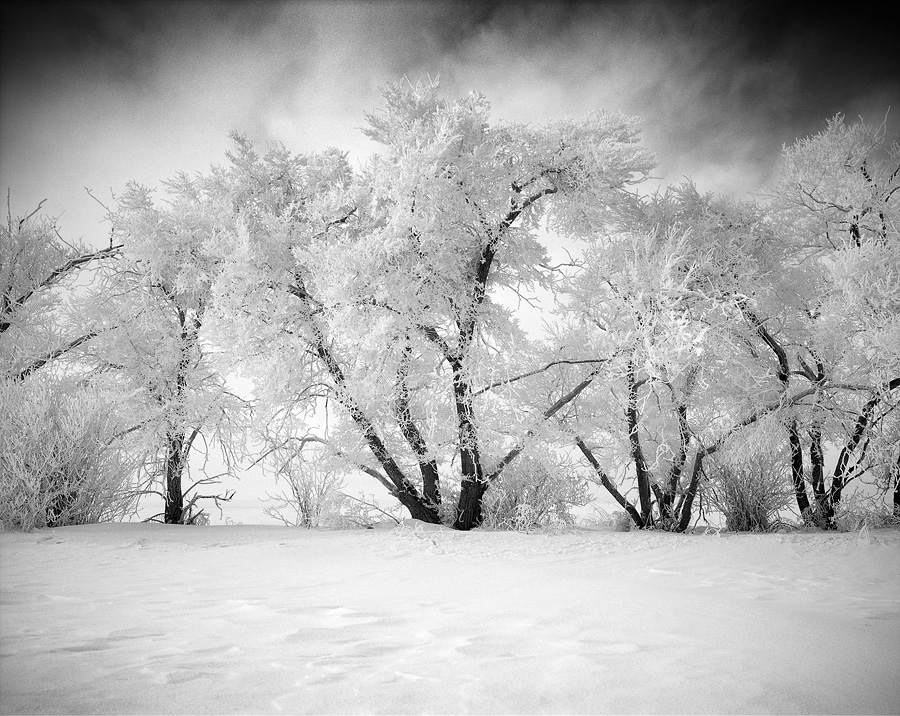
{"x": 52, "y": 355}
{"x": 549, "y": 413}
{"x": 530, "y": 373}
{"x": 607, "y": 483}
{"x": 53, "y": 277}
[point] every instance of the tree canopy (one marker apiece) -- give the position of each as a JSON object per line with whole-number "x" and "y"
{"x": 378, "y": 312}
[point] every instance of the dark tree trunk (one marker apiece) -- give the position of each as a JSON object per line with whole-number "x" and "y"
{"x": 824, "y": 505}
{"x": 474, "y": 481}
{"x": 687, "y": 503}
{"x": 667, "y": 497}
{"x": 409, "y": 429}
{"x": 418, "y": 510}
{"x": 177, "y": 445}
{"x": 474, "y": 484}
{"x": 403, "y": 490}
{"x": 797, "y": 477}
{"x": 897, "y": 487}
{"x": 637, "y": 452}
{"x": 175, "y": 458}
{"x": 471, "y": 495}
{"x": 469, "y": 513}
{"x": 782, "y": 372}
{"x": 842, "y": 466}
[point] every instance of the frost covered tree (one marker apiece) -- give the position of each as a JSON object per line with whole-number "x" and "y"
{"x": 38, "y": 268}
{"x": 378, "y": 289}
{"x": 156, "y": 356}
{"x": 835, "y": 205}
{"x": 61, "y": 460}
{"x": 678, "y": 385}
{"x": 770, "y": 326}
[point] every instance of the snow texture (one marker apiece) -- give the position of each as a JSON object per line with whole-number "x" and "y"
{"x": 148, "y": 618}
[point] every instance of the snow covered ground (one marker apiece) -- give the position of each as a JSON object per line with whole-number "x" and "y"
{"x": 148, "y": 618}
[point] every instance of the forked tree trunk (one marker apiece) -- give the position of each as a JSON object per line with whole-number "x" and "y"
{"x": 469, "y": 511}
{"x": 642, "y": 471}
{"x": 687, "y": 502}
{"x": 797, "y": 477}
{"x": 667, "y": 510}
{"x": 403, "y": 413}
{"x": 824, "y": 503}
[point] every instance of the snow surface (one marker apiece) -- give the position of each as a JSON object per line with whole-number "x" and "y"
{"x": 149, "y": 618}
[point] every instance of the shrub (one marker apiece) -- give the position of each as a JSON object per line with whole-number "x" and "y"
{"x": 749, "y": 492}
{"x": 311, "y": 497}
{"x": 364, "y": 511}
{"x": 56, "y": 466}
{"x": 615, "y": 521}
{"x": 857, "y": 512}
{"x": 528, "y": 495}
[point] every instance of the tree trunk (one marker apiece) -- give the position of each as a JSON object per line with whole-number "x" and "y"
{"x": 824, "y": 504}
{"x": 897, "y": 487}
{"x": 409, "y": 429}
{"x": 469, "y": 512}
{"x": 174, "y": 510}
{"x": 418, "y": 510}
{"x": 474, "y": 481}
{"x": 667, "y": 499}
{"x": 687, "y": 503}
{"x": 404, "y": 490}
{"x": 797, "y": 477}
{"x": 841, "y": 469}
{"x": 637, "y": 451}
{"x": 474, "y": 485}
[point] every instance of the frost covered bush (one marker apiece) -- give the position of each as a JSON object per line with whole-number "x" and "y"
{"x": 615, "y": 521}
{"x": 311, "y": 495}
{"x": 365, "y": 512}
{"x": 528, "y": 495}
{"x": 857, "y": 512}
{"x": 749, "y": 492}
{"x": 56, "y": 467}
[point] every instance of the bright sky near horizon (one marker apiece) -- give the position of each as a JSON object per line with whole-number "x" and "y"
{"x": 94, "y": 94}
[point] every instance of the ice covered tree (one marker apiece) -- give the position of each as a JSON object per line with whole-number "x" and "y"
{"x": 377, "y": 289}
{"x": 765, "y": 325}
{"x": 835, "y": 204}
{"x": 677, "y": 384}
{"x": 38, "y": 268}
{"x": 61, "y": 461}
{"x": 156, "y": 355}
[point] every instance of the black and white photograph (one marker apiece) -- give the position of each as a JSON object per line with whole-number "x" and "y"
{"x": 426, "y": 357}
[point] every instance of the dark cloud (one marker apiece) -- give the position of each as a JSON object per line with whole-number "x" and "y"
{"x": 97, "y": 93}
{"x": 717, "y": 82}
{"x": 114, "y": 40}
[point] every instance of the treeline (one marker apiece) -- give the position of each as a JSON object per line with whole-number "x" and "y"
{"x": 387, "y": 316}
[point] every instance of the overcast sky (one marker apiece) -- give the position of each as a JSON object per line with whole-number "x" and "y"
{"x": 97, "y": 93}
